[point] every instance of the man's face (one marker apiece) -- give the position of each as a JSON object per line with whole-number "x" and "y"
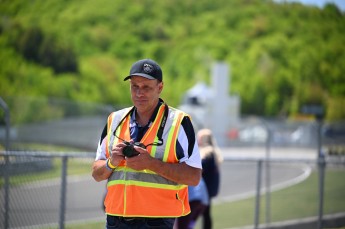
{"x": 145, "y": 93}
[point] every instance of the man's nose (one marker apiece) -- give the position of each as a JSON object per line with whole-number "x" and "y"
{"x": 138, "y": 92}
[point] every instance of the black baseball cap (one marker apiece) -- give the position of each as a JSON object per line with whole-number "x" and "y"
{"x": 146, "y": 68}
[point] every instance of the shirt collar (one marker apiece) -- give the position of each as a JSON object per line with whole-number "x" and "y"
{"x": 153, "y": 116}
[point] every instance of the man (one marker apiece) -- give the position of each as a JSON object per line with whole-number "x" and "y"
{"x": 149, "y": 155}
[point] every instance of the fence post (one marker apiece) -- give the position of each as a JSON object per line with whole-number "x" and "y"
{"x": 7, "y": 122}
{"x": 63, "y": 192}
{"x": 322, "y": 165}
{"x": 7, "y": 164}
{"x": 268, "y": 175}
{"x": 257, "y": 199}
{"x": 7, "y": 191}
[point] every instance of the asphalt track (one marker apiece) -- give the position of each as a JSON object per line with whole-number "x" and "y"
{"x": 38, "y": 203}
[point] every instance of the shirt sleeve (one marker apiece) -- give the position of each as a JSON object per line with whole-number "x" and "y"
{"x": 186, "y": 138}
{"x": 100, "y": 153}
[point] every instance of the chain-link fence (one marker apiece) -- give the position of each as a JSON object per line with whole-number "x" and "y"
{"x": 51, "y": 189}
{"x": 43, "y": 189}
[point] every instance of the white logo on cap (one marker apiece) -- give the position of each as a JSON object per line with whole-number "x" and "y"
{"x": 148, "y": 68}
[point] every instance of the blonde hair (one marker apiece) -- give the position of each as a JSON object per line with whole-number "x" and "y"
{"x": 208, "y": 145}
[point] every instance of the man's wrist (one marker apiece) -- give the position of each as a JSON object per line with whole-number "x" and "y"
{"x": 109, "y": 166}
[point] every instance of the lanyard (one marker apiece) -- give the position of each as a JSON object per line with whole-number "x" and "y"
{"x": 160, "y": 130}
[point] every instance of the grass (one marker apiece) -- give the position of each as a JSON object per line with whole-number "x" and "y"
{"x": 42, "y": 147}
{"x": 298, "y": 201}
{"x": 76, "y": 166}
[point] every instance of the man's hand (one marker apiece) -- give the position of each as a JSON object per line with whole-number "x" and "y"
{"x": 116, "y": 154}
{"x": 141, "y": 161}
{"x": 99, "y": 170}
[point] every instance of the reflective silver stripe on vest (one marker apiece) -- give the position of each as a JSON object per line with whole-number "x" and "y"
{"x": 139, "y": 176}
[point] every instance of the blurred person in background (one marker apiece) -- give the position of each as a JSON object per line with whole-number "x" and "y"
{"x": 198, "y": 201}
{"x": 211, "y": 159}
{"x": 149, "y": 155}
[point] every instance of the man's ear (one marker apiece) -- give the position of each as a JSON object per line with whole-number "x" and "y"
{"x": 161, "y": 86}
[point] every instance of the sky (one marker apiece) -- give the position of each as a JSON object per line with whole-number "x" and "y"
{"x": 319, "y": 3}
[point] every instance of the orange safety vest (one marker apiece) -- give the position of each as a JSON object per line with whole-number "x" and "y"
{"x": 132, "y": 193}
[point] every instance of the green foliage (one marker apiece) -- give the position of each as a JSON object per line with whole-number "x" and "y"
{"x": 281, "y": 55}
{"x": 29, "y": 43}
{"x": 45, "y": 50}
